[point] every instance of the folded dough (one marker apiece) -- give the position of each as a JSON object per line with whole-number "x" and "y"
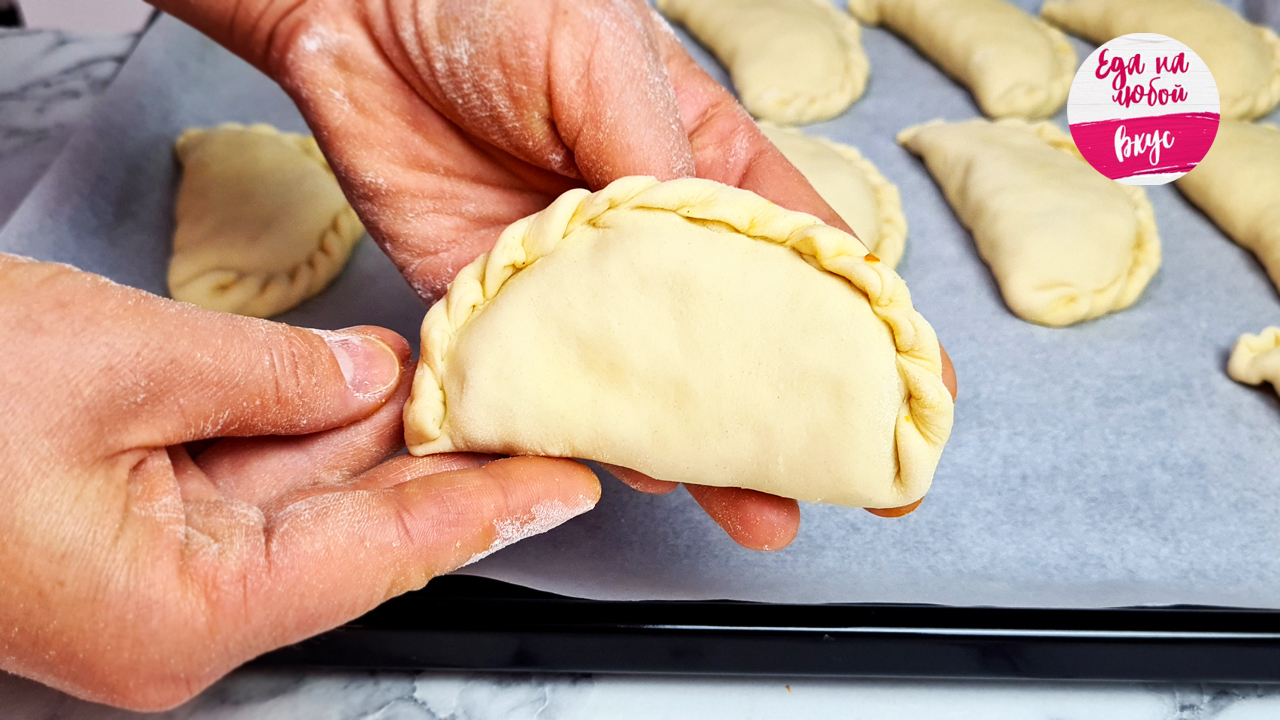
{"x": 694, "y": 332}
{"x": 1256, "y": 359}
{"x": 792, "y": 61}
{"x": 260, "y": 222}
{"x": 1065, "y": 243}
{"x": 1244, "y": 58}
{"x": 1015, "y": 64}
{"x": 851, "y": 185}
{"x": 1238, "y": 186}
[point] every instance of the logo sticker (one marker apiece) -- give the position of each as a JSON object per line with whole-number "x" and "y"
{"x": 1143, "y": 109}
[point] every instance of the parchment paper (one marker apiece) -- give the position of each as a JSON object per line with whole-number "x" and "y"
{"x": 1111, "y": 463}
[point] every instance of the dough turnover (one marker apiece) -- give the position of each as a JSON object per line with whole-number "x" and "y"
{"x": 792, "y": 61}
{"x": 694, "y": 332}
{"x": 1256, "y": 359}
{"x": 1064, "y": 243}
{"x": 851, "y": 185}
{"x": 1244, "y": 58}
{"x": 260, "y": 222}
{"x": 1238, "y": 186}
{"x": 1015, "y": 64}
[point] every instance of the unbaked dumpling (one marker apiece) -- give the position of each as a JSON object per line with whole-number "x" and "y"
{"x": 1244, "y": 58}
{"x": 260, "y": 222}
{"x": 1238, "y": 186}
{"x": 1015, "y": 64}
{"x": 1064, "y": 243}
{"x": 1256, "y": 359}
{"x": 851, "y": 185}
{"x": 792, "y": 61}
{"x": 696, "y": 333}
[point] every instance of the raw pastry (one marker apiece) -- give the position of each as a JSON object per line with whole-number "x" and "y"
{"x": 1256, "y": 359}
{"x": 1244, "y": 58}
{"x": 1238, "y": 186}
{"x": 792, "y": 61}
{"x": 1065, "y": 243}
{"x": 1015, "y": 64}
{"x": 851, "y": 185}
{"x": 694, "y": 332}
{"x": 260, "y": 225}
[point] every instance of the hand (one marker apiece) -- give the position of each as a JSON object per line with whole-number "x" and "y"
{"x": 144, "y": 558}
{"x": 447, "y": 120}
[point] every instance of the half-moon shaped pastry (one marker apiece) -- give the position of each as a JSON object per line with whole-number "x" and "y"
{"x": 1014, "y": 64}
{"x": 696, "y": 333}
{"x": 1256, "y": 359}
{"x": 260, "y": 222}
{"x": 851, "y": 185}
{"x": 1244, "y": 58}
{"x": 792, "y": 61}
{"x": 1238, "y": 186}
{"x": 1065, "y": 243}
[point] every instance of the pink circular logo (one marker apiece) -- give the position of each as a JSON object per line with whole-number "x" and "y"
{"x": 1143, "y": 109}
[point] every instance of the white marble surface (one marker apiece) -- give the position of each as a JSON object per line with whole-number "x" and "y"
{"x": 47, "y": 82}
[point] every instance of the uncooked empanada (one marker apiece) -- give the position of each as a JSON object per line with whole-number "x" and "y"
{"x": 1015, "y": 64}
{"x": 851, "y": 185}
{"x": 1244, "y": 58}
{"x": 260, "y": 222}
{"x": 1238, "y": 186}
{"x": 792, "y": 61}
{"x": 1256, "y": 359}
{"x": 694, "y": 332}
{"x": 1065, "y": 243}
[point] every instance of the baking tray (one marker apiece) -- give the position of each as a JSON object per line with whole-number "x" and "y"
{"x": 482, "y": 624}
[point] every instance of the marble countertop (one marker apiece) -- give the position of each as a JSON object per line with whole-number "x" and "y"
{"x": 48, "y": 83}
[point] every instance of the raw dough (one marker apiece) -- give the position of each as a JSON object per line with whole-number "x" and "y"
{"x": 694, "y": 332}
{"x": 1244, "y": 58}
{"x": 1065, "y": 243}
{"x": 1256, "y": 359}
{"x": 792, "y": 61}
{"x": 1238, "y": 186}
{"x": 1015, "y": 64}
{"x": 851, "y": 185}
{"x": 260, "y": 222}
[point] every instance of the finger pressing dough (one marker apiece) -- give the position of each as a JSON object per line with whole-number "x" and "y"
{"x": 1244, "y": 58}
{"x": 1015, "y": 64}
{"x": 260, "y": 222}
{"x": 792, "y": 61}
{"x": 851, "y": 185}
{"x": 1256, "y": 359}
{"x": 1238, "y": 186}
{"x": 694, "y": 332}
{"x": 1064, "y": 243}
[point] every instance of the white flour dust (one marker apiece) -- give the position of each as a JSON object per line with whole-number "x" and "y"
{"x": 544, "y": 516}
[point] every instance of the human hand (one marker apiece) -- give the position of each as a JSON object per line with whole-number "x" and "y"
{"x": 144, "y": 557}
{"x": 447, "y": 120}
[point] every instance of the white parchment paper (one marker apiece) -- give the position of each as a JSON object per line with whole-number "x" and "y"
{"x": 1112, "y": 463}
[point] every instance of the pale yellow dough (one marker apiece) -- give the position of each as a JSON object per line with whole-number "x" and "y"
{"x": 1244, "y": 58}
{"x": 1256, "y": 359}
{"x": 1065, "y": 243}
{"x": 792, "y": 61}
{"x": 694, "y": 332}
{"x": 1238, "y": 186}
{"x": 1015, "y": 64}
{"x": 260, "y": 222}
{"x": 851, "y": 185}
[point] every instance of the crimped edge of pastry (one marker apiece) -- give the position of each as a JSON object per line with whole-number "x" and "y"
{"x": 1044, "y": 102}
{"x": 254, "y": 294}
{"x": 1240, "y": 366}
{"x": 919, "y": 434}
{"x": 1271, "y": 97}
{"x": 892, "y": 240}
{"x": 1125, "y": 289}
{"x": 781, "y": 105}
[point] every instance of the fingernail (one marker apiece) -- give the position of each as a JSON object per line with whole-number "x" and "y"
{"x": 368, "y": 364}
